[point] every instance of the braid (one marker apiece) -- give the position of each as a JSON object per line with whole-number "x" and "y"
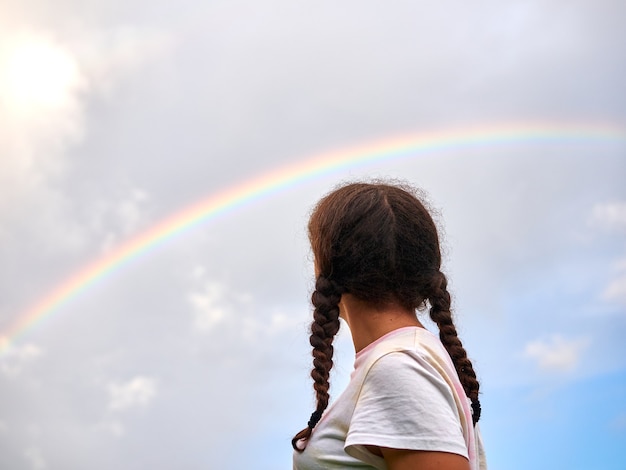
{"x": 325, "y": 325}
{"x": 441, "y": 315}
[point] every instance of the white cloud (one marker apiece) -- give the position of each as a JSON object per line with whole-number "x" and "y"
{"x": 121, "y": 218}
{"x": 281, "y": 321}
{"x": 213, "y": 302}
{"x": 137, "y": 392}
{"x": 610, "y": 216}
{"x": 46, "y": 80}
{"x": 15, "y": 358}
{"x": 217, "y": 306}
{"x": 616, "y": 290}
{"x": 110, "y": 56}
{"x": 208, "y": 306}
{"x": 556, "y": 354}
{"x": 129, "y": 211}
{"x": 254, "y": 327}
{"x": 41, "y": 113}
{"x": 35, "y": 458}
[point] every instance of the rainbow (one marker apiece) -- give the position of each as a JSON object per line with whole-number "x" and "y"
{"x": 285, "y": 177}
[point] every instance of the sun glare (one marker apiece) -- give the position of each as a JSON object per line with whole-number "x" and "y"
{"x": 36, "y": 73}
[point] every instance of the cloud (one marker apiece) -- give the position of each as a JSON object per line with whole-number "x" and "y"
{"x": 213, "y": 302}
{"x": 110, "y": 56}
{"x": 217, "y": 307}
{"x": 41, "y": 111}
{"x": 47, "y": 81}
{"x": 610, "y": 216}
{"x": 556, "y": 354}
{"x": 119, "y": 218}
{"x": 208, "y": 306}
{"x": 137, "y": 392}
{"x": 15, "y": 358}
{"x": 35, "y": 458}
{"x": 129, "y": 211}
{"x": 616, "y": 290}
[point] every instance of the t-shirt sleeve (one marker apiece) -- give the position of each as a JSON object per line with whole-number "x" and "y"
{"x": 404, "y": 403}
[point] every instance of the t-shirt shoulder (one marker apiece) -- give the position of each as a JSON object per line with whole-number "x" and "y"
{"x": 404, "y": 403}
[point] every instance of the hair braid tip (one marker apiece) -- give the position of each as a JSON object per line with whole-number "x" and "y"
{"x": 476, "y": 410}
{"x": 315, "y": 418}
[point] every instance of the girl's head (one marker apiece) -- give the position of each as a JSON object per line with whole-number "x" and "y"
{"x": 377, "y": 242}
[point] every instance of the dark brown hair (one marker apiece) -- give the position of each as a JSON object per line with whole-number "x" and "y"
{"x": 379, "y": 243}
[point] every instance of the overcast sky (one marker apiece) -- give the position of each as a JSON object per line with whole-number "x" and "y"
{"x": 115, "y": 115}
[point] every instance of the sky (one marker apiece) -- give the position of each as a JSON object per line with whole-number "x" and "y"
{"x": 193, "y": 354}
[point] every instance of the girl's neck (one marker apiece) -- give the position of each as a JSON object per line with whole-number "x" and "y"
{"x": 368, "y": 323}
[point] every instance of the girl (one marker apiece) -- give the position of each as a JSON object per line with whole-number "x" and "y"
{"x": 412, "y": 400}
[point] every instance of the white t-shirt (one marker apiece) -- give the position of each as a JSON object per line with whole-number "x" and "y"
{"x": 404, "y": 393}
